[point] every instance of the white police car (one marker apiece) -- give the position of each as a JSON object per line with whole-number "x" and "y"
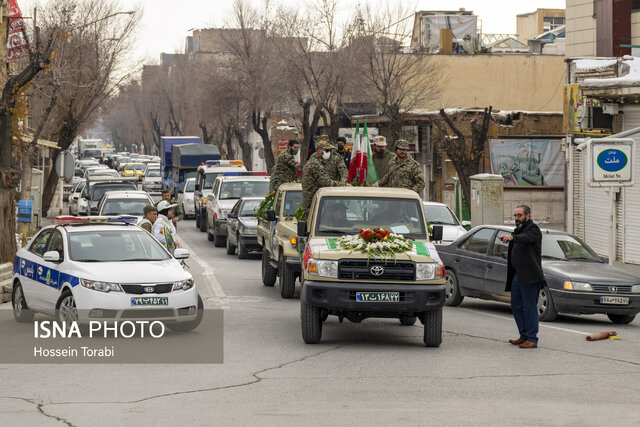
{"x": 103, "y": 268}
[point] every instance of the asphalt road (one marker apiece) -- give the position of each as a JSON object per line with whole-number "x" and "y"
{"x": 373, "y": 373}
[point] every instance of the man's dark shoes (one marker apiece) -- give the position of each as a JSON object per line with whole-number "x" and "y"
{"x": 529, "y": 344}
{"x": 517, "y": 342}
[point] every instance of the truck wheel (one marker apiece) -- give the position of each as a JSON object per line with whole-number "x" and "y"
{"x": 202, "y": 221}
{"x": 311, "y": 323}
{"x": 287, "y": 279}
{"x": 452, "y": 294}
{"x": 220, "y": 241}
{"x": 433, "y": 328}
{"x": 231, "y": 249}
{"x": 268, "y": 272}
{"x": 546, "y": 308}
{"x": 210, "y": 236}
{"x": 243, "y": 253}
{"x": 408, "y": 320}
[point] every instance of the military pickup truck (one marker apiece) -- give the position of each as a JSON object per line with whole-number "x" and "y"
{"x": 277, "y": 234}
{"x": 351, "y": 284}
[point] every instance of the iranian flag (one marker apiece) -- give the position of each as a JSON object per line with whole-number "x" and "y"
{"x": 372, "y": 174}
{"x": 359, "y": 166}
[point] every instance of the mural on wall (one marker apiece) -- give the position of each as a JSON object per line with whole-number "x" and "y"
{"x": 528, "y": 162}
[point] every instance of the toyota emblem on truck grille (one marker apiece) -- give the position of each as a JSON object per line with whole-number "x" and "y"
{"x": 377, "y": 270}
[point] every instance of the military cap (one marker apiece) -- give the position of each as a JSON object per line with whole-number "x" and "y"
{"x": 323, "y": 144}
{"x": 402, "y": 144}
{"x": 380, "y": 140}
{"x": 149, "y": 208}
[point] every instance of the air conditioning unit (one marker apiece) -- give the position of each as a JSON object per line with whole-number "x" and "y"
{"x": 610, "y": 109}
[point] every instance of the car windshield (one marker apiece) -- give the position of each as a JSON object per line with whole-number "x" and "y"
{"x": 440, "y": 215}
{"x": 190, "y": 186}
{"x": 80, "y": 186}
{"x": 124, "y": 206}
{"x": 136, "y": 166}
{"x": 239, "y": 189}
{"x": 99, "y": 190}
{"x": 566, "y": 247}
{"x": 339, "y": 215}
{"x": 103, "y": 172}
{"x": 78, "y": 172}
{"x": 115, "y": 246}
{"x": 92, "y": 153}
{"x": 153, "y": 173}
{"x": 291, "y": 202}
{"x": 249, "y": 207}
{"x": 210, "y": 178}
{"x": 189, "y": 174}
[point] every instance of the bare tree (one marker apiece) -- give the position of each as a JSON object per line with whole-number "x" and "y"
{"x": 11, "y": 103}
{"x": 394, "y": 80}
{"x": 465, "y": 156}
{"x": 89, "y": 67}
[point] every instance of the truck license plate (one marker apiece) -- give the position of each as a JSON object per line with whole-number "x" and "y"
{"x": 614, "y": 300}
{"x": 378, "y": 296}
{"x": 149, "y": 301}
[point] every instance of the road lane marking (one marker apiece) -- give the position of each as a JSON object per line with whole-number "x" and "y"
{"x": 210, "y": 277}
{"x": 542, "y": 325}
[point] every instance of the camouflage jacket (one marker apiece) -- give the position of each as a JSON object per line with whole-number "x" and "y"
{"x": 381, "y": 162}
{"x": 284, "y": 171}
{"x": 336, "y": 168}
{"x": 315, "y": 176}
{"x": 407, "y": 174}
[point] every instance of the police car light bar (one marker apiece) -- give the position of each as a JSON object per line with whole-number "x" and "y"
{"x": 244, "y": 174}
{"x": 70, "y": 220}
{"x": 212, "y": 162}
{"x": 224, "y": 163}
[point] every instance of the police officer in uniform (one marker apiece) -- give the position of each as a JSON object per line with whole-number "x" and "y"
{"x": 150, "y": 217}
{"x": 404, "y": 172}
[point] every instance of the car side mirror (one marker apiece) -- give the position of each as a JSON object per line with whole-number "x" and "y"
{"x": 302, "y": 229}
{"x": 51, "y": 256}
{"x": 181, "y": 253}
{"x": 466, "y": 224}
{"x": 436, "y": 233}
{"x": 271, "y": 215}
{"x": 232, "y": 215}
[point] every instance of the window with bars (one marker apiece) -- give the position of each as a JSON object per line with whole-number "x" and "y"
{"x": 550, "y": 23}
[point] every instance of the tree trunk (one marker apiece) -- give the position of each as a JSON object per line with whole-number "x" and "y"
{"x": 8, "y": 245}
{"x": 395, "y": 128}
{"x": 25, "y": 179}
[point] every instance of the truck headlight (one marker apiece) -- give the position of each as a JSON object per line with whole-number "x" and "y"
{"x": 100, "y": 286}
{"x": 429, "y": 271}
{"x": 577, "y": 286}
{"x": 323, "y": 268}
{"x": 183, "y": 285}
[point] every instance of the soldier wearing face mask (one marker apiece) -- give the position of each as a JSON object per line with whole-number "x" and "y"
{"x": 287, "y": 167}
{"x": 315, "y": 175}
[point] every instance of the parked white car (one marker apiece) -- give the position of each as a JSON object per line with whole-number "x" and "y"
{"x": 440, "y": 214}
{"x": 185, "y": 197}
{"x": 152, "y": 179}
{"x": 75, "y": 196}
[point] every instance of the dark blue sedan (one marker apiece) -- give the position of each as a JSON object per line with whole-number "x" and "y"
{"x": 578, "y": 281}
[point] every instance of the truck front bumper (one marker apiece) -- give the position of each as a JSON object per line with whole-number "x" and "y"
{"x": 341, "y": 296}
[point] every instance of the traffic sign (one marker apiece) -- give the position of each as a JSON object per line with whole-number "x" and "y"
{"x": 25, "y": 207}
{"x": 611, "y": 162}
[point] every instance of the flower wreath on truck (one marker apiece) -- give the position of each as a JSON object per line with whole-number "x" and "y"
{"x": 377, "y": 243}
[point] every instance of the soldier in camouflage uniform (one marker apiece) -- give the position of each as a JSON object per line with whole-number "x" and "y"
{"x": 404, "y": 172}
{"x": 336, "y": 168}
{"x": 286, "y": 169}
{"x": 315, "y": 176}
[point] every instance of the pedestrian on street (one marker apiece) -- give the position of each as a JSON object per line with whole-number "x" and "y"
{"x": 404, "y": 172}
{"x": 286, "y": 168}
{"x": 163, "y": 229}
{"x": 177, "y": 210}
{"x": 524, "y": 275}
{"x": 150, "y": 217}
{"x": 381, "y": 156}
{"x": 341, "y": 143}
{"x": 315, "y": 175}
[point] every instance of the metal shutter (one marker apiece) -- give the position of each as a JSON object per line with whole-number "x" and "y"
{"x": 631, "y": 196}
{"x": 596, "y": 218}
{"x": 578, "y": 193}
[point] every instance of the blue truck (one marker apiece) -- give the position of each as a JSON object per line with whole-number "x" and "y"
{"x": 181, "y": 156}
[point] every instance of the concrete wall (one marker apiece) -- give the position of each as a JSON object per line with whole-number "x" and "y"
{"x": 546, "y": 205}
{"x": 527, "y": 26}
{"x": 581, "y": 28}
{"x": 506, "y": 81}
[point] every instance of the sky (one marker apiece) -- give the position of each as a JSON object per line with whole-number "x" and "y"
{"x": 166, "y": 23}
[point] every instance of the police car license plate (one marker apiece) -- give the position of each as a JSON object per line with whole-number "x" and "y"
{"x": 614, "y": 300}
{"x": 378, "y": 296}
{"x": 149, "y": 301}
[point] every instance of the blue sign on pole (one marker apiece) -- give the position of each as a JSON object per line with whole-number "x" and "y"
{"x": 24, "y": 210}
{"x": 612, "y": 160}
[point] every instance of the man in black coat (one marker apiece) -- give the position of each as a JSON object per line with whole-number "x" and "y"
{"x": 524, "y": 275}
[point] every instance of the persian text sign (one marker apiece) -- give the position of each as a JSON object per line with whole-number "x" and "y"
{"x": 611, "y": 162}
{"x": 17, "y": 42}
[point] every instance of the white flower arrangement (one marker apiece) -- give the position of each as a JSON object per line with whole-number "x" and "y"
{"x": 376, "y": 243}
